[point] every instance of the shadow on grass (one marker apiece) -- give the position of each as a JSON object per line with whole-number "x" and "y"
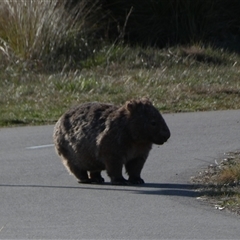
{"x": 164, "y": 189}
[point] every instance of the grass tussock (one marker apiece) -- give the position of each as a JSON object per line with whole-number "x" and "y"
{"x": 230, "y": 175}
{"x": 220, "y": 183}
{"x": 43, "y": 35}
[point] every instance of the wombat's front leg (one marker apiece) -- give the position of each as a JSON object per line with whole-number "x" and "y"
{"x": 114, "y": 169}
{"x": 133, "y": 169}
{"x": 118, "y": 181}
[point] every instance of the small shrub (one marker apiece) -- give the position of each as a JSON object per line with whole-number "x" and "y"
{"x": 42, "y": 34}
{"x": 230, "y": 175}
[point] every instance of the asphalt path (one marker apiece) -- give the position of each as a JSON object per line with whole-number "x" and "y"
{"x": 40, "y": 200}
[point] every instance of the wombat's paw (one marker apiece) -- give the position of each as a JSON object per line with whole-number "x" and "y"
{"x": 136, "y": 180}
{"x": 119, "y": 181}
{"x": 97, "y": 180}
{"x": 85, "y": 181}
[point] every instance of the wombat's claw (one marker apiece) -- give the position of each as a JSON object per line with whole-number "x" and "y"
{"x": 119, "y": 181}
{"x": 97, "y": 180}
{"x": 136, "y": 181}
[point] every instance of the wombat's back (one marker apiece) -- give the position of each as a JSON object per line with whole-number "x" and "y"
{"x": 76, "y": 131}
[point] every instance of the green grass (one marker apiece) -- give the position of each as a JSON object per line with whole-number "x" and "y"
{"x": 176, "y": 79}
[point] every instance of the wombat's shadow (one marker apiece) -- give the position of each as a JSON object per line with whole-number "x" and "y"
{"x": 171, "y": 189}
{"x": 167, "y": 189}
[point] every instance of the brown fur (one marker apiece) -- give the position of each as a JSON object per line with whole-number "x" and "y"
{"x": 95, "y": 136}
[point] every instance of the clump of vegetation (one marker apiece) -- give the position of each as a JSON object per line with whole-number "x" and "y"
{"x": 176, "y": 80}
{"x": 42, "y": 35}
{"x": 230, "y": 174}
{"x": 220, "y": 183}
{"x": 57, "y": 35}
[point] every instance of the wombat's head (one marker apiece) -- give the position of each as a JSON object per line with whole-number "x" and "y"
{"x": 146, "y": 123}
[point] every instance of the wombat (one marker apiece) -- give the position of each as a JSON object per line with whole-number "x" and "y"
{"x": 96, "y": 136}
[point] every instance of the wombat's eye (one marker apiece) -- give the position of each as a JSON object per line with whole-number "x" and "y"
{"x": 153, "y": 123}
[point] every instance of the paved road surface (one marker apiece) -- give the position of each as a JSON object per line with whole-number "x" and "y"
{"x": 39, "y": 200}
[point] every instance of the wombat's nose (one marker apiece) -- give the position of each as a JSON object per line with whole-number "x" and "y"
{"x": 166, "y": 135}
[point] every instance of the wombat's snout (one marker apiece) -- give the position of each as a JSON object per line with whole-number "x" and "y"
{"x": 164, "y": 135}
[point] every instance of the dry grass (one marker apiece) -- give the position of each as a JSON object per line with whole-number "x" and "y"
{"x": 220, "y": 183}
{"x": 230, "y": 174}
{"x": 42, "y": 34}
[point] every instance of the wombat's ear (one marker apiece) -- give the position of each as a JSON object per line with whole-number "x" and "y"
{"x": 131, "y": 105}
{"x": 145, "y": 100}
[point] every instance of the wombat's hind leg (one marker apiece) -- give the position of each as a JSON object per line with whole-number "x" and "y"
{"x": 83, "y": 177}
{"x": 95, "y": 177}
{"x": 80, "y": 174}
{"x": 133, "y": 169}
